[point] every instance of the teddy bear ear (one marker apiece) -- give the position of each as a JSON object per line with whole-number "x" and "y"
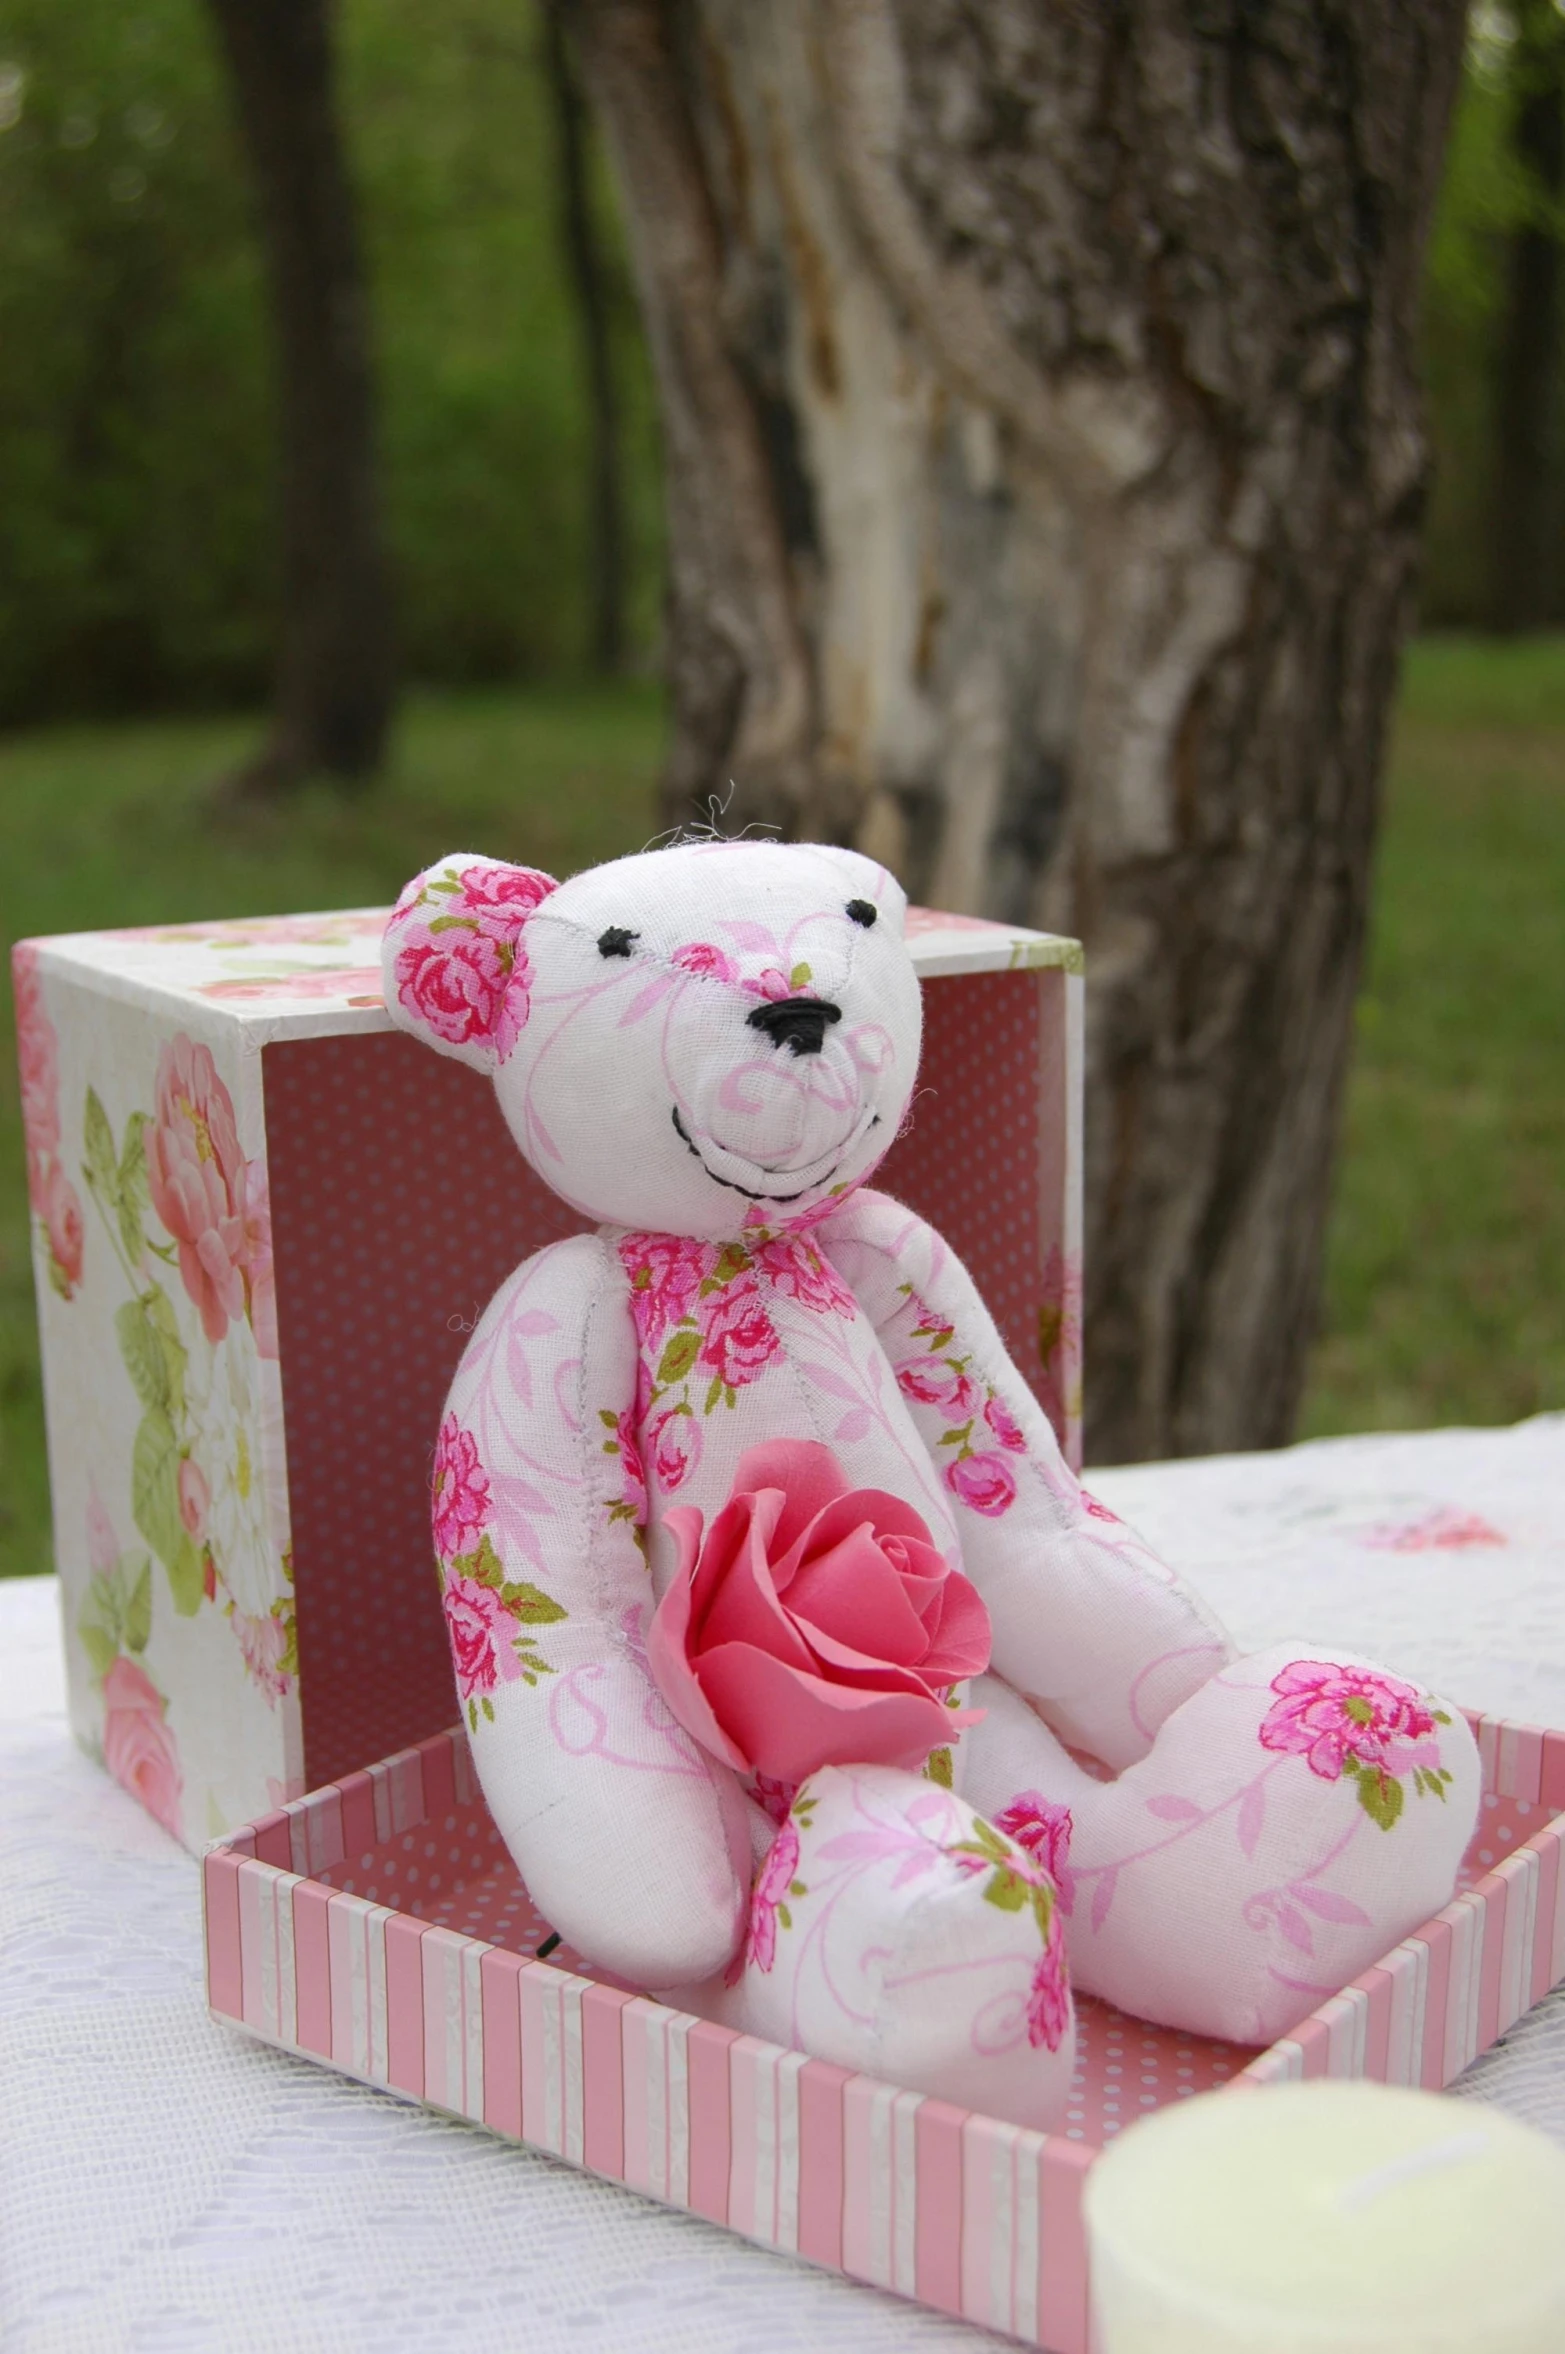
{"x": 454, "y": 963}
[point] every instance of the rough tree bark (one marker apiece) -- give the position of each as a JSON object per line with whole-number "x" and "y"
{"x": 585, "y": 264}
{"x": 1527, "y": 507}
{"x": 1044, "y": 475}
{"x": 334, "y": 678}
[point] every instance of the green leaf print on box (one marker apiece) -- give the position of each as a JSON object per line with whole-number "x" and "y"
{"x": 197, "y": 1481}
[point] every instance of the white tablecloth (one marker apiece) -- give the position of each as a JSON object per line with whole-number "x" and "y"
{"x": 167, "y": 2187}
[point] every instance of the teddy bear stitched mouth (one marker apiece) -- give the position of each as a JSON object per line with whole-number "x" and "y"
{"x": 815, "y": 1174}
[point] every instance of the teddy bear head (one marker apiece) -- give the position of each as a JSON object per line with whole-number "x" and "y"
{"x": 690, "y": 1041}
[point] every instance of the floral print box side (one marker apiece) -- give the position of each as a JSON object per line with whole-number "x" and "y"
{"x": 263, "y": 1225}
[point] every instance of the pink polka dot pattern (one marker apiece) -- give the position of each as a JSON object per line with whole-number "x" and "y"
{"x": 400, "y": 1203}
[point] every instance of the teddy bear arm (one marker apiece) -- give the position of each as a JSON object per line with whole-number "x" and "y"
{"x": 632, "y": 1843}
{"x": 1099, "y": 1633}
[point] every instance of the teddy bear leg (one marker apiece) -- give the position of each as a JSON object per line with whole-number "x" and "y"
{"x": 1294, "y": 1819}
{"x": 895, "y": 1933}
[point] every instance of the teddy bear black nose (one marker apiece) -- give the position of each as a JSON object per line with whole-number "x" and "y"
{"x": 796, "y": 1022}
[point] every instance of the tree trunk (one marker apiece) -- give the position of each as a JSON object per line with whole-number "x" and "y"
{"x": 1044, "y": 475}
{"x": 1527, "y": 419}
{"x": 334, "y": 667}
{"x": 588, "y": 277}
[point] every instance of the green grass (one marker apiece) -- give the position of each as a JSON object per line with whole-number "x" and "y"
{"x": 1446, "y": 1262}
{"x": 1446, "y": 1289}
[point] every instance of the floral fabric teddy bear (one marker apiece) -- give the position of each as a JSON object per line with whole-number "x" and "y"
{"x": 805, "y": 1683}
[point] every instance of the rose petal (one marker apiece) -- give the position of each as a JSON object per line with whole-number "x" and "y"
{"x": 789, "y": 1725}
{"x": 669, "y": 1667}
{"x": 961, "y": 1640}
{"x": 807, "y": 1475}
{"x": 745, "y": 1608}
{"x": 836, "y": 1519}
{"x": 854, "y": 1593}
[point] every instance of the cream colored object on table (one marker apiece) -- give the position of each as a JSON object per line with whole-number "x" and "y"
{"x": 1354, "y": 2217}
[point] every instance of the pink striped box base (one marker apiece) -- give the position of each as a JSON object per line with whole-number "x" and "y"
{"x": 379, "y": 1925}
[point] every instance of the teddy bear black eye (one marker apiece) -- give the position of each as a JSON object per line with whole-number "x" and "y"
{"x": 861, "y": 912}
{"x": 616, "y": 941}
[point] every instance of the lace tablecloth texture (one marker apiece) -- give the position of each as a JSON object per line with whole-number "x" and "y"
{"x": 168, "y": 2188}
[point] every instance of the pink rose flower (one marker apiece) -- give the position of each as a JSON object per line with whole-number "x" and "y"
{"x": 1005, "y": 1426}
{"x": 699, "y": 956}
{"x": 1043, "y": 1831}
{"x": 502, "y": 897}
{"x": 455, "y": 985}
{"x": 138, "y": 1748}
{"x": 773, "y": 1882}
{"x": 674, "y": 1444}
{"x": 738, "y": 1340}
{"x": 195, "y": 1499}
{"x": 62, "y": 1215}
{"x": 1048, "y": 2000}
{"x": 479, "y": 1626}
{"x": 1326, "y": 1714}
{"x": 814, "y": 1624}
{"x": 985, "y": 1483}
{"x": 935, "y": 1381}
{"x": 263, "y": 1642}
{"x": 801, "y": 1272}
{"x": 195, "y": 1174}
{"x": 665, "y": 1272}
{"x": 459, "y": 1491}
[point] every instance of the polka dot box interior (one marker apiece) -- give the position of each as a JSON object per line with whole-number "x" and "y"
{"x": 379, "y": 1926}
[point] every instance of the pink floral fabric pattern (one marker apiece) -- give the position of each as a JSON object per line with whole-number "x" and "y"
{"x": 488, "y": 1615}
{"x": 1360, "y": 1722}
{"x": 776, "y": 1881}
{"x": 1043, "y": 1831}
{"x": 1017, "y": 1877}
{"x": 704, "y": 1330}
{"x": 461, "y": 970}
{"x": 981, "y": 1430}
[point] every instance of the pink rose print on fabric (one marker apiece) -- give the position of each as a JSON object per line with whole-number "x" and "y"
{"x": 456, "y": 987}
{"x": 813, "y": 1624}
{"x": 674, "y": 1447}
{"x": 1043, "y": 1831}
{"x": 983, "y": 1482}
{"x": 1096, "y": 1511}
{"x": 775, "y": 1883}
{"x": 195, "y": 1174}
{"x": 666, "y": 1272}
{"x": 1048, "y": 1999}
{"x": 1328, "y": 1714}
{"x": 479, "y": 1627}
{"x": 774, "y": 1798}
{"x": 936, "y": 1381}
{"x": 701, "y": 958}
{"x": 461, "y": 969}
{"x": 1005, "y": 1426}
{"x": 138, "y": 1748}
{"x": 459, "y": 1490}
{"x": 622, "y": 1441}
{"x": 800, "y": 1272}
{"x": 1358, "y": 1722}
{"x": 738, "y": 1340}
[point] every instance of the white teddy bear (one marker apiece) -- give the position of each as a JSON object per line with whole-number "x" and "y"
{"x": 805, "y": 1683}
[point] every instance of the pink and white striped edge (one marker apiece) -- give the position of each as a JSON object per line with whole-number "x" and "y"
{"x": 960, "y": 2211}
